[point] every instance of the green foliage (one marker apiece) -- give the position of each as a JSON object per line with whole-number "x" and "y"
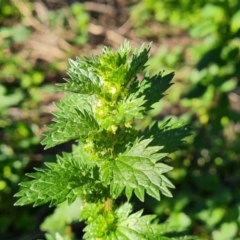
{"x": 208, "y": 97}
{"x": 79, "y": 113}
{"x": 78, "y": 179}
{"x": 199, "y": 40}
{"x": 137, "y": 170}
{"x": 112, "y": 158}
{"x": 121, "y": 224}
{"x": 26, "y": 72}
{"x": 59, "y": 222}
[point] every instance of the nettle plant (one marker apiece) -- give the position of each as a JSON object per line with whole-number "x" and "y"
{"x": 111, "y": 158}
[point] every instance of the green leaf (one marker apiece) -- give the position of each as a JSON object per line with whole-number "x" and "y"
{"x": 138, "y": 170}
{"x": 228, "y": 86}
{"x": 131, "y": 107}
{"x": 126, "y": 110}
{"x": 99, "y": 222}
{"x": 112, "y": 66}
{"x": 57, "y": 236}
{"x": 168, "y": 135}
{"x": 91, "y": 210}
{"x": 73, "y": 120}
{"x": 7, "y": 100}
{"x": 83, "y": 78}
{"x": 136, "y": 226}
{"x": 234, "y": 23}
{"x": 138, "y": 61}
{"x": 120, "y": 224}
{"x": 19, "y": 32}
{"x": 154, "y": 87}
{"x": 61, "y": 218}
{"x": 70, "y": 177}
{"x": 228, "y": 230}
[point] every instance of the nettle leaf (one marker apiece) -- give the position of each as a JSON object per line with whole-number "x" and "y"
{"x": 125, "y": 111}
{"x": 73, "y": 120}
{"x": 104, "y": 98}
{"x": 90, "y": 211}
{"x": 138, "y": 170}
{"x": 138, "y": 61}
{"x": 112, "y": 66}
{"x": 154, "y": 87}
{"x": 120, "y": 224}
{"x": 83, "y": 79}
{"x": 135, "y": 226}
{"x": 167, "y": 134}
{"x": 71, "y": 176}
{"x": 131, "y": 107}
{"x": 99, "y": 222}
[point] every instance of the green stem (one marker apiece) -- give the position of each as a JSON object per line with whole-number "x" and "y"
{"x": 108, "y": 204}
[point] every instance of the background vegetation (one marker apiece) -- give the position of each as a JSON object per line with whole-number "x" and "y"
{"x": 199, "y": 41}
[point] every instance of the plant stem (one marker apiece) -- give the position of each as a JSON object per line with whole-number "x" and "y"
{"x": 108, "y": 204}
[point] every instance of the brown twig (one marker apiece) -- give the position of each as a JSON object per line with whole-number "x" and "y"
{"x": 99, "y": 7}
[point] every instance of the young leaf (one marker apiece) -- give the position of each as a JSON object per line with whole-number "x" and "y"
{"x": 73, "y": 120}
{"x": 112, "y": 66}
{"x": 125, "y": 111}
{"x": 83, "y": 78}
{"x": 138, "y": 61}
{"x": 120, "y": 224}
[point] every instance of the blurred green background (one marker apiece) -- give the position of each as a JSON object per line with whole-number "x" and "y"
{"x": 200, "y": 41}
